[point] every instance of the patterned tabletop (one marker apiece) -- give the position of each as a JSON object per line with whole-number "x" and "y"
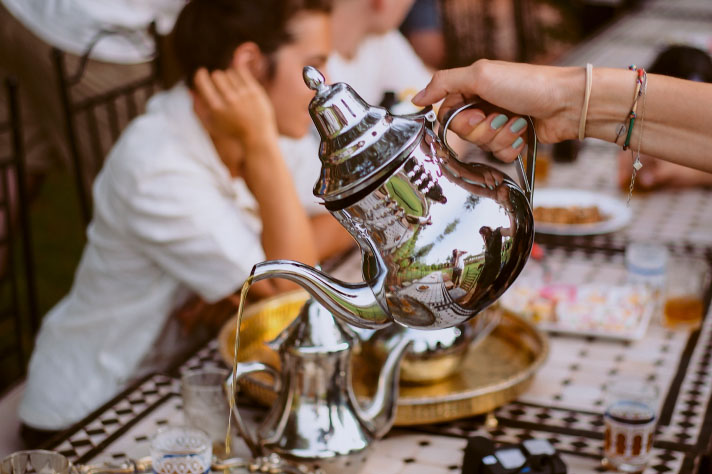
{"x": 564, "y": 404}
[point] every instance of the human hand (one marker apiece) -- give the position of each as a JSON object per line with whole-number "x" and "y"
{"x": 231, "y": 103}
{"x": 657, "y": 173}
{"x": 542, "y": 92}
{"x": 196, "y": 312}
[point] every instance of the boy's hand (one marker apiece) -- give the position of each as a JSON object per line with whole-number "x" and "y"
{"x": 231, "y": 103}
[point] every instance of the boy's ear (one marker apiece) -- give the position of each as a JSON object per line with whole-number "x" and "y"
{"x": 250, "y": 54}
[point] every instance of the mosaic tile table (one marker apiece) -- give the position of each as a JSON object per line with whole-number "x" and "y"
{"x": 564, "y": 404}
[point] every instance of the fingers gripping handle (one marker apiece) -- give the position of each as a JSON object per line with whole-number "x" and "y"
{"x": 526, "y": 176}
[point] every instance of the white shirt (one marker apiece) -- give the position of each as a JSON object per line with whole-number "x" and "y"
{"x": 382, "y": 63}
{"x": 168, "y": 220}
{"x": 71, "y": 25}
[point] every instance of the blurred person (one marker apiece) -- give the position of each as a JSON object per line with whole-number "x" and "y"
{"x": 683, "y": 62}
{"x": 193, "y": 194}
{"x": 677, "y": 112}
{"x": 30, "y": 29}
{"x": 371, "y": 55}
{"x": 423, "y": 27}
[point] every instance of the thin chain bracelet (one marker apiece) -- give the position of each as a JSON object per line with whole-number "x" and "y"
{"x": 642, "y": 89}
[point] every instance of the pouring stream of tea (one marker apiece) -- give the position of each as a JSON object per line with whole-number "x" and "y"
{"x": 231, "y": 398}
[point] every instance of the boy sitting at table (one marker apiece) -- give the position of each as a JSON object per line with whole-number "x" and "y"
{"x": 193, "y": 194}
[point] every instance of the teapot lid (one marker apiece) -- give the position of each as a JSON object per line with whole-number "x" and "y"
{"x": 360, "y": 143}
{"x": 314, "y": 331}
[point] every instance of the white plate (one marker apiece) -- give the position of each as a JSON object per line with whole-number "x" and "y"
{"x": 617, "y": 211}
{"x": 616, "y": 312}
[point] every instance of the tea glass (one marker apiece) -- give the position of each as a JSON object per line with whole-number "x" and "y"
{"x": 684, "y": 293}
{"x": 205, "y": 404}
{"x": 36, "y": 461}
{"x": 181, "y": 449}
{"x": 630, "y": 420}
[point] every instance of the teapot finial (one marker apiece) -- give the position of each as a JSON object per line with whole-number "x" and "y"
{"x": 314, "y": 79}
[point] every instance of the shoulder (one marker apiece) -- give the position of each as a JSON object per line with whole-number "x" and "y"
{"x": 165, "y": 141}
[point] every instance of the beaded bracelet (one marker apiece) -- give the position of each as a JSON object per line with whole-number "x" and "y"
{"x": 640, "y": 86}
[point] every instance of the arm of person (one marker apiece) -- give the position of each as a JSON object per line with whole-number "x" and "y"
{"x": 239, "y": 117}
{"x": 659, "y": 174}
{"x": 330, "y": 236}
{"x": 674, "y": 116}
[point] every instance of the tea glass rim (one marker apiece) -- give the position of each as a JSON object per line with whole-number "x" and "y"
{"x": 634, "y": 389}
{"x": 206, "y": 440}
{"x": 202, "y": 371}
{"x": 69, "y": 468}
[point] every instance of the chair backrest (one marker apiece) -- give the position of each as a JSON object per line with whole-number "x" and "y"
{"x": 18, "y": 310}
{"x": 476, "y": 29}
{"x": 93, "y": 123}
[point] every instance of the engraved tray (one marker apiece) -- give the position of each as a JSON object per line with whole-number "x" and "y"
{"x": 497, "y": 370}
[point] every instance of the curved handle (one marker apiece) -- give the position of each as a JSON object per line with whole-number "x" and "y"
{"x": 528, "y": 176}
{"x": 244, "y": 369}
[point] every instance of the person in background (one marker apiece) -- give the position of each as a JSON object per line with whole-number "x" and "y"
{"x": 683, "y": 62}
{"x": 193, "y": 194}
{"x": 30, "y": 29}
{"x": 371, "y": 55}
{"x": 423, "y": 26}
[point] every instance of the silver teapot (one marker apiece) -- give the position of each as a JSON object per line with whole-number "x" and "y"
{"x": 316, "y": 420}
{"x": 440, "y": 239}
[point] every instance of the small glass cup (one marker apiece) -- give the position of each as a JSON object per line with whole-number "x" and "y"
{"x": 646, "y": 263}
{"x": 36, "y": 461}
{"x": 684, "y": 293}
{"x": 630, "y": 420}
{"x": 181, "y": 449}
{"x": 205, "y": 404}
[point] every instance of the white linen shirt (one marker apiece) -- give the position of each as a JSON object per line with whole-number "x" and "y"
{"x": 168, "y": 219}
{"x": 71, "y": 25}
{"x": 382, "y": 63}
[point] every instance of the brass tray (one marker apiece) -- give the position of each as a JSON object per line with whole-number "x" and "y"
{"x": 494, "y": 372}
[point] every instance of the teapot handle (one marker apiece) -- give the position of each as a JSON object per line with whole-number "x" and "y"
{"x": 486, "y": 107}
{"x": 243, "y": 369}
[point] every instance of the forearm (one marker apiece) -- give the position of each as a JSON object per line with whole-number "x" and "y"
{"x": 286, "y": 229}
{"x": 330, "y": 237}
{"x": 673, "y": 116}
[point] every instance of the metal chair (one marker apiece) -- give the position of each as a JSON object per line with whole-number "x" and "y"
{"x": 18, "y": 302}
{"x": 473, "y": 30}
{"x": 93, "y": 124}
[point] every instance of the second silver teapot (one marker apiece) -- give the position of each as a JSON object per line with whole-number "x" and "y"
{"x": 441, "y": 239}
{"x": 316, "y": 419}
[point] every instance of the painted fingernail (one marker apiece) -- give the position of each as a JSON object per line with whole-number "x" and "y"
{"x": 518, "y": 124}
{"x": 517, "y": 142}
{"x": 498, "y": 121}
{"x": 476, "y": 118}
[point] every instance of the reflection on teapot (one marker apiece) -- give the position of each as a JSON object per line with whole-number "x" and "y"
{"x": 441, "y": 239}
{"x": 316, "y": 419}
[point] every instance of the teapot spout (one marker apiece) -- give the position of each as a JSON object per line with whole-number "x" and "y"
{"x": 353, "y": 303}
{"x": 381, "y": 412}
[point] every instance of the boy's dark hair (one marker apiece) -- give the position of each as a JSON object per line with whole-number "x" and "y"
{"x": 207, "y": 32}
{"x": 683, "y": 62}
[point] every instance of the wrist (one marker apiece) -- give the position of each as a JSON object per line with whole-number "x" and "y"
{"x": 610, "y": 102}
{"x": 572, "y": 86}
{"x": 265, "y": 141}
